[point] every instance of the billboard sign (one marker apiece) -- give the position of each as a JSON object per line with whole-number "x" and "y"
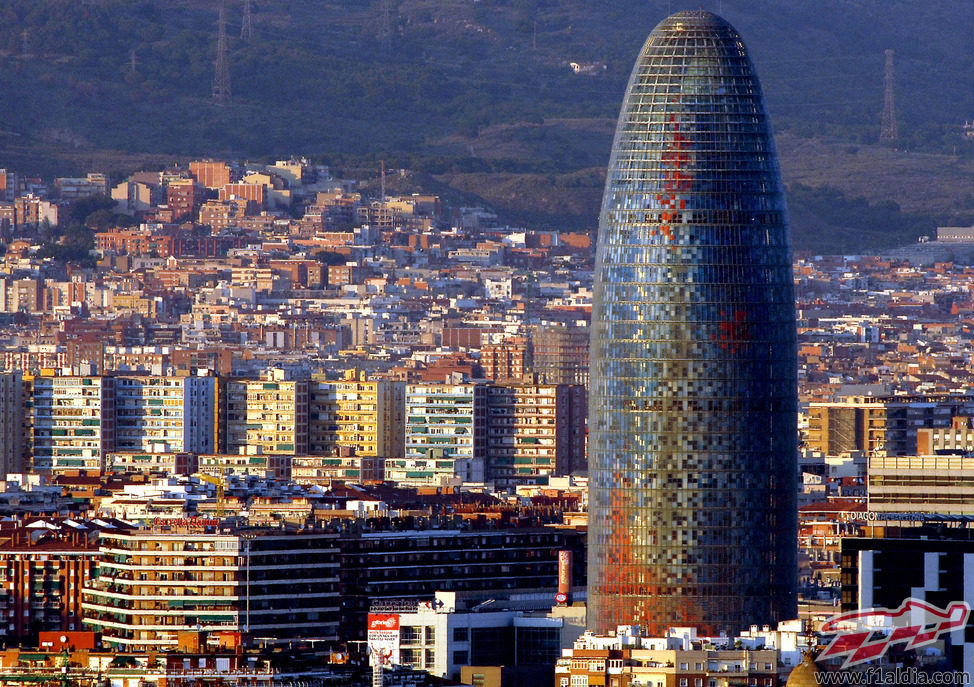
{"x": 383, "y": 639}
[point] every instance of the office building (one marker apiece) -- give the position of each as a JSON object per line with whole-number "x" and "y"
{"x": 479, "y": 562}
{"x": 693, "y": 402}
{"x": 931, "y": 562}
{"x": 441, "y": 636}
{"x": 886, "y": 425}
{"x": 921, "y": 484}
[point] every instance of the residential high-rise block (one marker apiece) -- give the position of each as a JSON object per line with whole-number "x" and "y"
{"x": 560, "y": 354}
{"x": 533, "y": 431}
{"x": 446, "y": 430}
{"x": 73, "y": 422}
{"x": 269, "y": 415}
{"x": 165, "y": 414}
{"x": 13, "y": 434}
{"x": 356, "y": 414}
{"x": 693, "y": 395}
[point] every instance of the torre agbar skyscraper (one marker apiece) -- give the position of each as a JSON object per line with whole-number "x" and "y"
{"x": 693, "y": 438}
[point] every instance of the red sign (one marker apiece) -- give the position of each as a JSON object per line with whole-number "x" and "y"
{"x": 383, "y": 621}
{"x": 186, "y": 522}
{"x": 561, "y": 597}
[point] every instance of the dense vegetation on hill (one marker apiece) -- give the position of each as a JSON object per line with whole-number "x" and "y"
{"x": 449, "y": 87}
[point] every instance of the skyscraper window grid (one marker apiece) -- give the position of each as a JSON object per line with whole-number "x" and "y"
{"x": 693, "y": 361}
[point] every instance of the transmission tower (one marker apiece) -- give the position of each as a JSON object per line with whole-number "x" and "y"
{"x": 247, "y": 26}
{"x": 221, "y": 77}
{"x": 385, "y": 25}
{"x": 132, "y": 62}
{"x": 888, "y": 132}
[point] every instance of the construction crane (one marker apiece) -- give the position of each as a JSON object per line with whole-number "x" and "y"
{"x": 220, "y": 485}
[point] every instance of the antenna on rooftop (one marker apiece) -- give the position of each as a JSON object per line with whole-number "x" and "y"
{"x": 247, "y": 26}
{"x": 383, "y": 176}
{"x": 888, "y": 132}
{"x": 221, "y": 77}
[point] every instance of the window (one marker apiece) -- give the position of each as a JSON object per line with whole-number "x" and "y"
{"x": 459, "y": 635}
{"x": 459, "y": 658}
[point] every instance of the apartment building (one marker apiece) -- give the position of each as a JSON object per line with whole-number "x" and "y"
{"x": 153, "y": 462}
{"x": 165, "y": 414}
{"x": 504, "y": 361}
{"x": 886, "y": 425}
{"x": 534, "y": 430}
{"x": 212, "y": 174}
{"x": 358, "y": 415}
{"x": 342, "y": 468}
{"x": 73, "y": 421}
{"x": 43, "y": 567}
{"x": 251, "y": 462}
{"x": 268, "y": 415}
{"x": 175, "y": 578}
{"x": 13, "y": 428}
{"x": 446, "y": 433}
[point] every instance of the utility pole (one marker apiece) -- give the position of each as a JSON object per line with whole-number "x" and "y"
{"x": 888, "y": 132}
{"x": 247, "y": 26}
{"x": 221, "y": 76}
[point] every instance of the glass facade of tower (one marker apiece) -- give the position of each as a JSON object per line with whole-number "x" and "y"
{"x": 693, "y": 393}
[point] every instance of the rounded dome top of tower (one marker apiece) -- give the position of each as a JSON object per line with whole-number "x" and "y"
{"x": 697, "y": 19}
{"x": 694, "y": 22}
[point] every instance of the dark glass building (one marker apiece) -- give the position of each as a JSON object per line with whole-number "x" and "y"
{"x": 693, "y": 392}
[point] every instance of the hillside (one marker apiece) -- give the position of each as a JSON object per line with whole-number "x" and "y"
{"x": 462, "y": 87}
